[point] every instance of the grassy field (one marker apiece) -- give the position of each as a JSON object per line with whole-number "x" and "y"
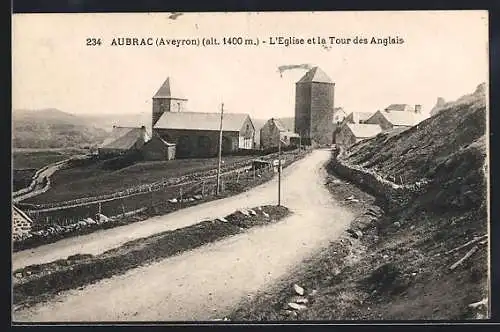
{"x": 95, "y": 178}
{"x": 37, "y": 158}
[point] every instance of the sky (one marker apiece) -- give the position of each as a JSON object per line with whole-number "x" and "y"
{"x": 444, "y": 54}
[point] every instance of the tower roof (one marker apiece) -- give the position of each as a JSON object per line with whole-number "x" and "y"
{"x": 316, "y": 75}
{"x": 166, "y": 91}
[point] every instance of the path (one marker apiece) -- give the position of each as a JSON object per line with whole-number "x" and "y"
{"x": 207, "y": 282}
{"x": 37, "y": 185}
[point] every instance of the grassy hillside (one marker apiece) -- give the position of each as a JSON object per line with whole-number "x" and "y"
{"x": 92, "y": 178}
{"x": 52, "y": 128}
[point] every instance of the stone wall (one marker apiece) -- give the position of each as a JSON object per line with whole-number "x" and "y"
{"x": 21, "y": 225}
{"x": 395, "y": 196}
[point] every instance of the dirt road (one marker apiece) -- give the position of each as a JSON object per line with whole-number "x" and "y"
{"x": 206, "y": 282}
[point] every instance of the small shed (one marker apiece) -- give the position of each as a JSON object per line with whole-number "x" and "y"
{"x": 272, "y": 131}
{"x": 123, "y": 140}
{"x": 158, "y": 149}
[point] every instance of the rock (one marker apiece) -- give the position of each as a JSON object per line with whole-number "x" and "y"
{"x": 222, "y": 219}
{"x": 313, "y": 292}
{"x": 252, "y": 212}
{"x": 297, "y": 306}
{"x": 198, "y": 197}
{"x": 18, "y": 275}
{"x": 300, "y": 300}
{"x": 385, "y": 256}
{"x": 350, "y": 198}
{"x": 259, "y": 208}
{"x": 397, "y": 224}
{"x": 173, "y": 200}
{"x": 299, "y": 290}
{"x": 412, "y": 227}
{"x": 244, "y": 212}
{"x": 290, "y": 313}
{"x": 191, "y": 199}
{"x": 265, "y": 214}
{"x": 90, "y": 221}
{"x": 355, "y": 233}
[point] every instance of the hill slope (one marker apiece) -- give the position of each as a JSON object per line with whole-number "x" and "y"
{"x": 426, "y": 258}
{"x": 52, "y": 128}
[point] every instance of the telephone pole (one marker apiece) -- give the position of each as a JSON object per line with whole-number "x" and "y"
{"x": 279, "y": 169}
{"x": 220, "y": 149}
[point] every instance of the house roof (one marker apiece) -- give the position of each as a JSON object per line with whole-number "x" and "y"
{"x": 338, "y": 110}
{"x": 397, "y": 107}
{"x": 360, "y": 116}
{"x": 279, "y": 124}
{"x": 160, "y": 139}
{"x": 403, "y": 118}
{"x": 166, "y": 91}
{"x": 201, "y": 121}
{"x": 123, "y": 138}
{"x": 316, "y": 75}
{"x": 364, "y": 130}
{"x": 19, "y": 214}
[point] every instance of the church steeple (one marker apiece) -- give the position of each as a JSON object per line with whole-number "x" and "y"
{"x": 166, "y": 100}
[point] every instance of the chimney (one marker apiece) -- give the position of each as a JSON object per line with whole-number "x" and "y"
{"x": 143, "y": 133}
{"x": 418, "y": 108}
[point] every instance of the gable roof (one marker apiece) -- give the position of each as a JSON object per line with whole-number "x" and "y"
{"x": 315, "y": 75}
{"x": 278, "y": 124}
{"x": 364, "y": 130}
{"x": 165, "y": 91}
{"x": 123, "y": 138}
{"x": 19, "y": 215}
{"x": 156, "y": 137}
{"x": 359, "y": 116}
{"x": 403, "y": 118}
{"x": 339, "y": 110}
{"x": 398, "y": 107}
{"x": 202, "y": 121}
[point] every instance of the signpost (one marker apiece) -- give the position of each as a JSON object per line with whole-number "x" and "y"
{"x": 279, "y": 169}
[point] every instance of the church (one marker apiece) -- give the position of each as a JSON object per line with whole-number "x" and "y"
{"x": 196, "y": 134}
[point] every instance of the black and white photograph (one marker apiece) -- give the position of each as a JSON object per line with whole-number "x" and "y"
{"x": 250, "y": 167}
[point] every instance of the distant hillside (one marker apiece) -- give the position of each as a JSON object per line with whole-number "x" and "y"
{"x": 52, "y": 128}
{"x": 106, "y": 121}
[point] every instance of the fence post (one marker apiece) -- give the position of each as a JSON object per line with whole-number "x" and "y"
{"x": 180, "y": 197}
{"x": 203, "y": 188}
{"x": 123, "y": 209}
{"x": 238, "y": 177}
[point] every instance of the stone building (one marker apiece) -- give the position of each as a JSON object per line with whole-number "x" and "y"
{"x": 158, "y": 149}
{"x": 314, "y": 104}
{"x": 395, "y": 119}
{"x": 123, "y": 140}
{"x": 196, "y": 134}
{"x": 272, "y": 131}
{"x": 352, "y": 133}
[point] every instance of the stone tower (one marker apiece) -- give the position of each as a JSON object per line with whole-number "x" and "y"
{"x": 314, "y": 94}
{"x": 165, "y": 100}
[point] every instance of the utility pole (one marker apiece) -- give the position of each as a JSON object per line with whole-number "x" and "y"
{"x": 279, "y": 169}
{"x": 220, "y": 149}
